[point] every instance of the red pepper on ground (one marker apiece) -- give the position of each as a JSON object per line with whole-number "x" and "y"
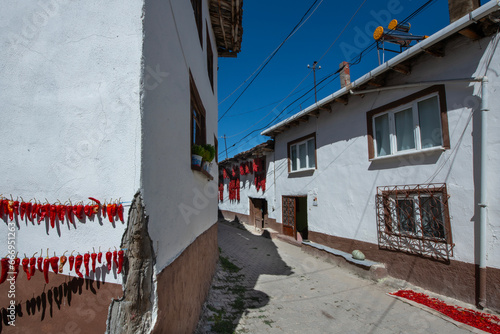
{"x": 120, "y": 261}
{"x": 94, "y": 258}
{"x": 71, "y": 261}
{"x": 109, "y": 255}
{"x": 86, "y": 263}
{"x": 62, "y": 262}
{"x": 119, "y": 211}
{"x": 46, "y": 264}
{"x": 23, "y": 210}
{"x": 17, "y": 261}
{"x": 26, "y": 268}
{"x": 5, "y": 269}
{"x": 78, "y": 264}
{"x": 54, "y": 263}
{"x": 29, "y": 208}
{"x": 33, "y": 265}
{"x": 53, "y": 214}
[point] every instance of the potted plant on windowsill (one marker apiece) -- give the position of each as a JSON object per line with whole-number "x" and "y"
{"x": 197, "y": 152}
{"x": 208, "y": 156}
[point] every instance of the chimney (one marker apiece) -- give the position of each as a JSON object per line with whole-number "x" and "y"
{"x": 345, "y": 74}
{"x": 459, "y": 8}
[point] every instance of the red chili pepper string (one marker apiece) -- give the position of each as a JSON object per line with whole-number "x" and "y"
{"x": 86, "y": 262}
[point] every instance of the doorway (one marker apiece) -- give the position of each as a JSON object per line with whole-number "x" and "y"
{"x": 295, "y": 217}
{"x": 258, "y": 212}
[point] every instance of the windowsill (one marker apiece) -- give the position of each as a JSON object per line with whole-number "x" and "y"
{"x": 202, "y": 171}
{"x": 409, "y": 153}
{"x": 302, "y": 170}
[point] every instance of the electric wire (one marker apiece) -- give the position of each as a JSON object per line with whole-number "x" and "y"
{"x": 294, "y": 30}
{"x": 354, "y": 61}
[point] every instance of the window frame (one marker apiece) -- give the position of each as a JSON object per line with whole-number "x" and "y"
{"x": 197, "y": 105}
{"x": 296, "y": 143}
{"x": 210, "y": 60}
{"x": 198, "y": 17}
{"x": 393, "y": 108}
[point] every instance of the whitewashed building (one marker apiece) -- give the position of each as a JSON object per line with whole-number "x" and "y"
{"x": 402, "y": 163}
{"x": 104, "y": 99}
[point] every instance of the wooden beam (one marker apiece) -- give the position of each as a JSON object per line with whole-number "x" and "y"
{"x": 375, "y": 83}
{"x": 436, "y": 52}
{"x": 342, "y": 99}
{"x": 304, "y": 119}
{"x": 403, "y": 69}
{"x": 471, "y": 32}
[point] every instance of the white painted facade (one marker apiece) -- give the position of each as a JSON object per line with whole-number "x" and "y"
{"x": 345, "y": 181}
{"x": 248, "y": 189}
{"x": 96, "y": 102}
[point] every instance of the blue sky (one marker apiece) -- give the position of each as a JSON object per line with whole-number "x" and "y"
{"x": 266, "y": 25}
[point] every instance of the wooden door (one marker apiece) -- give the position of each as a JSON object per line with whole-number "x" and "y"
{"x": 289, "y": 213}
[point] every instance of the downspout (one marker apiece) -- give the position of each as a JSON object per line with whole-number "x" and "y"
{"x": 483, "y": 194}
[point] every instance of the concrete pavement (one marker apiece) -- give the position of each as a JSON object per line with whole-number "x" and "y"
{"x": 269, "y": 286}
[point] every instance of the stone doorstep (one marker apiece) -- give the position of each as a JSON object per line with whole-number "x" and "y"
{"x": 364, "y": 268}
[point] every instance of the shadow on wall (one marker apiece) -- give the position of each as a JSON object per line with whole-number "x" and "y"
{"x": 244, "y": 258}
{"x": 58, "y": 306}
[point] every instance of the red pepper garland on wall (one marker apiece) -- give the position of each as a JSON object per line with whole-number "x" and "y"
{"x": 37, "y": 212}
{"x": 56, "y": 264}
{"x": 259, "y": 168}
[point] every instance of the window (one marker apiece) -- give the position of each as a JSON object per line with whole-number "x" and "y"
{"x": 415, "y": 219}
{"x": 198, "y": 129}
{"x": 210, "y": 61}
{"x": 302, "y": 153}
{"x": 412, "y": 124}
{"x": 198, "y": 16}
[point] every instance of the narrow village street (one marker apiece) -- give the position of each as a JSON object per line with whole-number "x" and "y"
{"x": 270, "y": 286}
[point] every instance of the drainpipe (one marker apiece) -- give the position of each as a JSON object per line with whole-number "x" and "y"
{"x": 483, "y": 194}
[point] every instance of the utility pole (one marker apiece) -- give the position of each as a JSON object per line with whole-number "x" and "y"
{"x": 314, "y": 68}
{"x": 225, "y": 144}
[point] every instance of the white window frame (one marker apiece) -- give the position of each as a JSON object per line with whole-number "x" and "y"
{"x": 308, "y": 165}
{"x": 416, "y": 128}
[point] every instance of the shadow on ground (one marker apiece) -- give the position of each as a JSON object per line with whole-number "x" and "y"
{"x": 244, "y": 257}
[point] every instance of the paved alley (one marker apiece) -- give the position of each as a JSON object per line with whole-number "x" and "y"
{"x": 270, "y": 286}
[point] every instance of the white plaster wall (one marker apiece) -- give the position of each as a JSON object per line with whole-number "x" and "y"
{"x": 69, "y": 88}
{"x": 181, "y": 203}
{"x": 346, "y": 181}
{"x": 248, "y": 190}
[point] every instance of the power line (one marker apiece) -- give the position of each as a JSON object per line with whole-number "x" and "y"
{"x": 294, "y": 30}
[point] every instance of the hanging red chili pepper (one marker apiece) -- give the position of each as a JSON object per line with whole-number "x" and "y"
{"x": 78, "y": 264}
{"x": 16, "y": 208}
{"x": 5, "y": 269}
{"x": 44, "y": 212}
{"x": 79, "y": 211}
{"x": 71, "y": 261}
{"x": 69, "y": 213}
{"x": 17, "y": 262}
{"x": 115, "y": 257}
{"x": 53, "y": 214}
{"x": 86, "y": 262}
{"x": 39, "y": 262}
{"x": 29, "y": 208}
{"x": 88, "y": 210}
{"x": 46, "y": 264}
{"x": 26, "y": 268}
{"x": 61, "y": 212}
{"x": 62, "y": 262}
{"x": 109, "y": 255}
{"x": 23, "y": 210}
{"x": 33, "y": 265}
{"x": 1, "y": 208}
{"x": 120, "y": 261}
{"x": 99, "y": 256}
{"x": 109, "y": 210}
{"x": 93, "y": 256}
{"x": 54, "y": 263}
{"x": 11, "y": 210}
{"x": 119, "y": 211}
{"x": 35, "y": 211}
